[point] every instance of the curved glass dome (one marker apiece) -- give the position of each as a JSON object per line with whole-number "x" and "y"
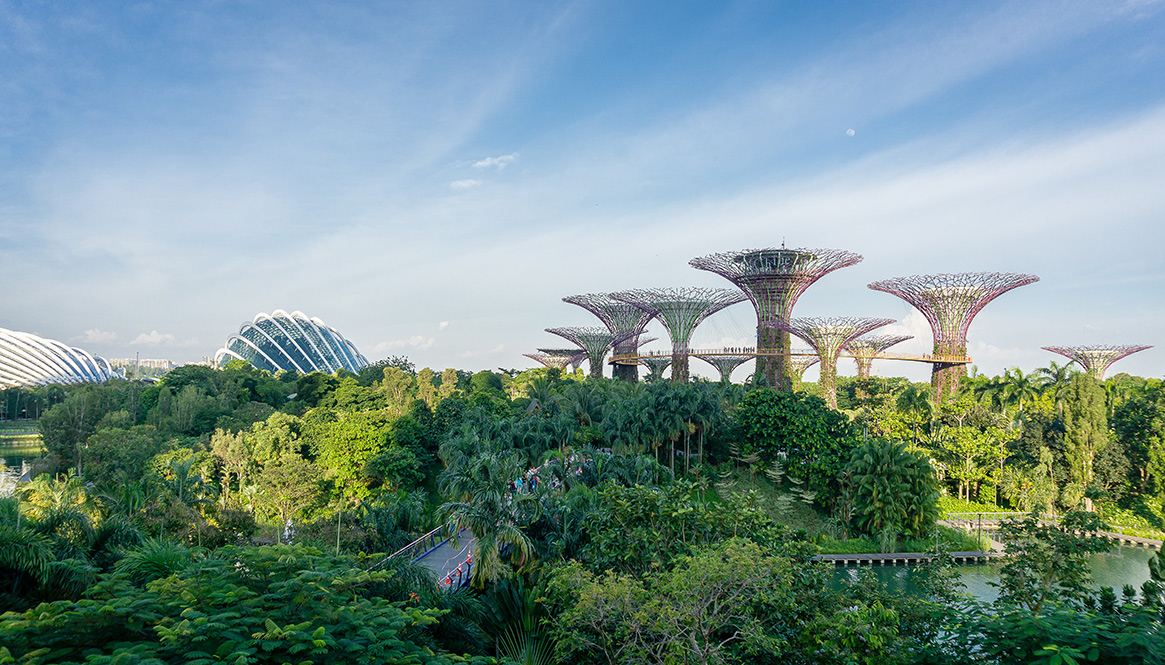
{"x": 28, "y": 360}
{"x": 291, "y": 341}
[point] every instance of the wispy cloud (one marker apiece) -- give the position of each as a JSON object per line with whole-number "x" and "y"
{"x": 498, "y": 162}
{"x": 418, "y": 342}
{"x": 155, "y": 338}
{"x": 94, "y": 336}
{"x": 464, "y": 184}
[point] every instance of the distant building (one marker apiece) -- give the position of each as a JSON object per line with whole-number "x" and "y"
{"x": 143, "y": 368}
{"x": 28, "y": 360}
{"x": 293, "y": 342}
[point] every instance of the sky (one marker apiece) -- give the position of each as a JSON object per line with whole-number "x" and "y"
{"x": 431, "y": 179}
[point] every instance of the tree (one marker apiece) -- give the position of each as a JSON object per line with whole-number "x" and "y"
{"x": 892, "y": 488}
{"x": 812, "y": 441}
{"x": 289, "y": 484}
{"x": 344, "y": 445}
{"x": 1049, "y": 561}
{"x": 915, "y": 401}
{"x": 480, "y": 499}
{"x": 1085, "y": 429}
{"x": 969, "y": 454}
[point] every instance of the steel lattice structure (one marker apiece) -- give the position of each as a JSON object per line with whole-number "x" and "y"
{"x": 595, "y": 341}
{"x": 866, "y": 347}
{"x": 798, "y": 365}
{"x": 680, "y": 310}
{"x": 1097, "y": 358}
{"x": 552, "y": 361}
{"x": 655, "y": 366}
{"x": 621, "y": 318}
{"x": 774, "y": 278}
{"x": 827, "y": 336}
{"x": 724, "y": 364}
{"x": 574, "y": 356}
{"x": 950, "y": 302}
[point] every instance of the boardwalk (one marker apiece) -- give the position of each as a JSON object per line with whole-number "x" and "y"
{"x": 451, "y": 563}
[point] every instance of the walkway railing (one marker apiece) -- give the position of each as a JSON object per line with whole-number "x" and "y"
{"x": 418, "y": 548}
{"x": 459, "y": 576}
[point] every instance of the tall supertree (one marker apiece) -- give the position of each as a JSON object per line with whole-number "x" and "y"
{"x": 620, "y": 318}
{"x": 827, "y": 336}
{"x": 774, "y": 278}
{"x": 680, "y": 310}
{"x": 866, "y": 347}
{"x": 1097, "y": 358}
{"x": 555, "y": 361}
{"x": 798, "y": 365}
{"x": 655, "y": 366}
{"x": 950, "y": 302}
{"x": 723, "y": 364}
{"x": 595, "y": 341}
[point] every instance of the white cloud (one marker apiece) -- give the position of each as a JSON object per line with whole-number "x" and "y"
{"x": 155, "y": 338}
{"x": 95, "y": 336}
{"x": 464, "y": 184}
{"x": 443, "y": 325}
{"x": 500, "y": 162}
{"x": 416, "y": 341}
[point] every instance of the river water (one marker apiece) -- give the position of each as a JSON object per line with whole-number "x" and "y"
{"x": 1121, "y": 566}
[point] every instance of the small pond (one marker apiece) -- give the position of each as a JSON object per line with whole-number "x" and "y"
{"x": 1123, "y": 565}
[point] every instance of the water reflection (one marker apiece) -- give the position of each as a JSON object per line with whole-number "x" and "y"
{"x": 1121, "y": 566}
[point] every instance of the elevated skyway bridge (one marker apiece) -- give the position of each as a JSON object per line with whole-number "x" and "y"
{"x": 449, "y": 556}
{"x": 637, "y": 359}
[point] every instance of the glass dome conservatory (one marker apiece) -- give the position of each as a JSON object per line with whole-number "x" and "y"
{"x": 291, "y": 341}
{"x": 28, "y": 360}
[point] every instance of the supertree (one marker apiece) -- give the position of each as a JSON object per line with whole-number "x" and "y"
{"x": 774, "y": 278}
{"x": 866, "y": 347}
{"x": 655, "y": 366}
{"x": 595, "y": 341}
{"x": 552, "y": 361}
{"x": 723, "y": 364}
{"x": 827, "y": 336}
{"x": 798, "y": 365}
{"x": 574, "y": 357}
{"x": 1097, "y": 358}
{"x": 950, "y": 302}
{"x": 620, "y": 318}
{"x": 680, "y": 310}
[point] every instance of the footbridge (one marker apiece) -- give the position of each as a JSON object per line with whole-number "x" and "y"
{"x": 637, "y": 359}
{"x": 448, "y": 555}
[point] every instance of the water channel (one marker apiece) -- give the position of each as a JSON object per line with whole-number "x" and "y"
{"x": 1123, "y": 565}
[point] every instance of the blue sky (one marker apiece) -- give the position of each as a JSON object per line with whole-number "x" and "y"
{"x": 431, "y": 178}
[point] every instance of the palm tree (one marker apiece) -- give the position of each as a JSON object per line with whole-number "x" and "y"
{"x": 915, "y": 401}
{"x": 480, "y": 500}
{"x": 1019, "y": 387}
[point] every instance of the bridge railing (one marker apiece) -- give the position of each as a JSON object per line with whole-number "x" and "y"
{"x": 459, "y": 576}
{"x": 419, "y": 547}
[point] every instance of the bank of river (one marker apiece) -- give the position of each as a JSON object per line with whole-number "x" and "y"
{"x": 1121, "y": 566}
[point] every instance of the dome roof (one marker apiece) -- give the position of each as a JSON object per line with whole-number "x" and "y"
{"x": 28, "y": 360}
{"x": 291, "y": 341}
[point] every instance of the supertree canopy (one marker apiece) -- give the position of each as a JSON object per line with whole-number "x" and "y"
{"x": 1096, "y": 358}
{"x": 950, "y": 302}
{"x": 548, "y": 360}
{"x": 574, "y": 357}
{"x": 620, "y": 318}
{"x": 595, "y": 341}
{"x": 655, "y": 366}
{"x": 827, "y": 336}
{"x": 798, "y": 365}
{"x": 680, "y": 310}
{"x": 724, "y": 364}
{"x": 866, "y": 347}
{"x": 773, "y": 279}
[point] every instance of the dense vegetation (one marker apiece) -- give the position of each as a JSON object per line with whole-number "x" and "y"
{"x": 235, "y": 516}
